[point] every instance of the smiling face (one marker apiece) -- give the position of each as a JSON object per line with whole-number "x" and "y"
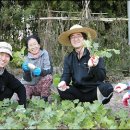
{"x": 4, "y": 59}
{"x": 76, "y": 40}
{"x": 33, "y": 46}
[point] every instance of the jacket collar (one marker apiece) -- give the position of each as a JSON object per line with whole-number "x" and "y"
{"x": 30, "y": 56}
{"x": 86, "y": 52}
{"x": 2, "y": 71}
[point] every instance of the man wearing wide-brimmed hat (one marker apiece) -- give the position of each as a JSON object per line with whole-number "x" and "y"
{"x": 87, "y": 80}
{"x": 8, "y": 83}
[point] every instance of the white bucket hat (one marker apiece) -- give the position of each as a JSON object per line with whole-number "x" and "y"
{"x": 64, "y": 37}
{"x": 7, "y": 48}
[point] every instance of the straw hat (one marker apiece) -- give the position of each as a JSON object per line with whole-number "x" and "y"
{"x": 64, "y": 37}
{"x": 7, "y": 48}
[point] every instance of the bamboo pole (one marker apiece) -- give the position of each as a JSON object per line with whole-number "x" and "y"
{"x": 78, "y": 18}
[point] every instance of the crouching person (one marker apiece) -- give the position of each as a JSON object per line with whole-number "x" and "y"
{"x": 83, "y": 75}
{"x": 37, "y": 69}
{"x": 8, "y": 83}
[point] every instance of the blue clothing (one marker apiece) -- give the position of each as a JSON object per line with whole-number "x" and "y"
{"x": 37, "y": 71}
{"x": 25, "y": 66}
{"x": 43, "y": 62}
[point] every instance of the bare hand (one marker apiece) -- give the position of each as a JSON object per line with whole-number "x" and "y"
{"x": 62, "y": 86}
{"x": 93, "y": 61}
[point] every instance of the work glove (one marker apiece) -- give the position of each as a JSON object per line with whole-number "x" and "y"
{"x": 126, "y": 99}
{"x": 62, "y": 86}
{"x": 36, "y": 71}
{"x": 120, "y": 87}
{"x": 25, "y": 66}
{"x": 93, "y": 61}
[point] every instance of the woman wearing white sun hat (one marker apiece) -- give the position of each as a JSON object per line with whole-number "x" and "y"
{"x": 8, "y": 83}
{"x": 87, "y": 79}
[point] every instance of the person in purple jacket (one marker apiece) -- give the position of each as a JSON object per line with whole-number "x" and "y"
{"x": 8, "y": 83}
{"x": 83, "y": 75}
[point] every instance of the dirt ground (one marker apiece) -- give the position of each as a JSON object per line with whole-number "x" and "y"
{"x": 116, "y": 101}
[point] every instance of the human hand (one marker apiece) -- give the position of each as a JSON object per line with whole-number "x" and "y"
{"x": 36, "y": 71}
{"x": 25, "y": 66}
{"x": 126, "y": 99}
{"x": 62, "y": 86}
{"x": 120, "y": 87}
{"x": 93, "y": 61}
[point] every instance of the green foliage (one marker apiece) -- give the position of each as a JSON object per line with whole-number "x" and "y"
{"x": 94, "y": 51}
{"x": 16, "y": 14}
{"x": 11, "y": 20}
{"x": 56, "y": 79}
{"x": 65, "y": 114}
{"x": 114, "y": 8}
{"x": 18, "y": 57}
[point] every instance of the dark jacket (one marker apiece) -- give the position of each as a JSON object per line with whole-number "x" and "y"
{"x": 79, "y": 74}
{"x": 9, "y": 84}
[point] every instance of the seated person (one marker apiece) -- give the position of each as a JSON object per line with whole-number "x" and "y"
{"x": 121, "y": 87}
{"x": 8, "y": 83}
{"x": 37, "y": 69}
{"x": 86, "y": 73}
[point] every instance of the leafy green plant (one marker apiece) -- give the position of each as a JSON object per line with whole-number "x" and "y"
{"x": 18, "y": 57}
{"x": 61, "y": 115}
{"x": 94, "y": 49}
{"x": 56, "y": 79}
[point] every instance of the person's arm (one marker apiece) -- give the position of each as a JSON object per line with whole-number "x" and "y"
{"x": 27, "y": 76}
{"x": 128, "y": 87}
{"x": 66, "y": 76}
{"x": 98, "y": 71}
{"x": 126, "y": 98}
{"x": 26, "y": 71}
{"x": 121, "y": 87}
{"x": 18, "y": 88}
{"x": 47, "y": 69}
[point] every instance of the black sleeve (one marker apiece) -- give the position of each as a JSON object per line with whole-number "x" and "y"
{"x": 99, "y": 71}
{"x": 46, "y": 72}
{"x": 18, "y": 88}
{"x": 66, "y": 76}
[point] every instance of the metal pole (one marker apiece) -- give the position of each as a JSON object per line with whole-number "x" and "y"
{"x": 128, "y": 10}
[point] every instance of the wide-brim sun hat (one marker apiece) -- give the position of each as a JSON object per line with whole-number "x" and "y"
{"x": 6, "y": 48}
{"x": 64, "y": 37}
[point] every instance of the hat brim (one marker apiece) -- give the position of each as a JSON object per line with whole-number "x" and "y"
{"x": 7, "y": 51}
{"x": 64, "y": 37}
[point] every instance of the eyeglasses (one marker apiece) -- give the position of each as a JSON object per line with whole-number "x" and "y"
{"x": 74, "y": 37}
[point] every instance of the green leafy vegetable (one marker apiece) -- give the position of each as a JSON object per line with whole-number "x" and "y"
{"x": 94, "y": 49}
